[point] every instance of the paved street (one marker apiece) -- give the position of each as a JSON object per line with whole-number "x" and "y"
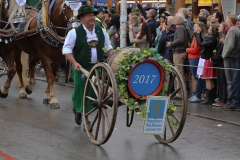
{"x": 31, "y": 130}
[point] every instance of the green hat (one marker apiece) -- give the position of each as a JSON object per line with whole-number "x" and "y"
{"x": 85, "y": 9}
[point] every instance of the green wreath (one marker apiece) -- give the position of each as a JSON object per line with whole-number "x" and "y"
{"x": 125, "y": 66}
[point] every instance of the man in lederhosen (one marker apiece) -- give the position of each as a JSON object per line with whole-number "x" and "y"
{"x": 81, "y": 54}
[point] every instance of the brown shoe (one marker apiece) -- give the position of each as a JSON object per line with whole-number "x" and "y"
{"x": 217, "y": 104}
{"x": 221, "y": 103}
{"x": 231, "y": 108}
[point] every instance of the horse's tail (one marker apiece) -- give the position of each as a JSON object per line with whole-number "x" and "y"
{"x": 24, "y": 61}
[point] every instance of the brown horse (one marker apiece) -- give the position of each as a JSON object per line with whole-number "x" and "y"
{"x": 10, "y": 52}
{"x": 35, "y": 46}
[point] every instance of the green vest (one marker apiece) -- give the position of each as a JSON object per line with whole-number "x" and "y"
{"x": 82, "y": 51}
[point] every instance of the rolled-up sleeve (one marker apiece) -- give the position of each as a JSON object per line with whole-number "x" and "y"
{"x": 107, "y": 41}
{"x": 69, "y": 42}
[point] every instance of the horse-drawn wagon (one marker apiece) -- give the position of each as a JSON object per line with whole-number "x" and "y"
{"x": 115, "y": 84}
{"x": 140, "y": 74}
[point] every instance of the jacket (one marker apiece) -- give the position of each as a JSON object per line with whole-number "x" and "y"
{"x": 99, "y": 23}
{"x": 194, "y": 50}
{"x": 180, "y": 40}
{"x": 166, "y": 52}
{"x": 141, "y": 43}
{"x": 238, "y": 52}
{"x": 230, "y": 43}
{"x": 217, "y": 59}
{"x": 208, "y": 44}
{"x": 111, "y": 32}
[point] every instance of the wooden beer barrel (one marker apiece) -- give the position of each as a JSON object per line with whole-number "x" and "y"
{"x": 113, "y": 59}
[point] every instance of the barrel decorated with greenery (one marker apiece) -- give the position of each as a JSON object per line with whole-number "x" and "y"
{"x": 142, "y": 58}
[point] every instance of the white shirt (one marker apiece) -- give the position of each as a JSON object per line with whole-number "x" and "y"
{"x": 71, "y": 37}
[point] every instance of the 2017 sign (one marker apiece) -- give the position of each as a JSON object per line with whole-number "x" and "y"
{"x": 141, "y": 79}
{"x": 146, "y": 78}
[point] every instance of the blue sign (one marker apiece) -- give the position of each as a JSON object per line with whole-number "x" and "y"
{"x": 144, "y": 79}
{"x": 156, "y": 109}
{"x": 155, "y": 119}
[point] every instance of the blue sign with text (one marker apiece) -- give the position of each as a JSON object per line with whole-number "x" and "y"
{"x": 145, "y": 79}
{"x": 155, "y": 118}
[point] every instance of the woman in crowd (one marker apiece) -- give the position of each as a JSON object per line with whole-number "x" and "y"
{"x": 209, "y": 21}
{"x": 114, "y": 28}
{"x": 218, "y": 62}
{"x": 193, "y": 57}
{"x": 202, "y": 19}
{"x": 208, "y": 44}
{"x": 143, "y": 38}
{"x": 162, "y": 21}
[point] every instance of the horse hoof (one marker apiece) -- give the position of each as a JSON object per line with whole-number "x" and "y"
{"x": 3, "y": 95}
{"x": 46, "y": 101}
{"x": 23, "y": 96}
{"x": 54, "y": 106}
{"x": 28, "y": 90}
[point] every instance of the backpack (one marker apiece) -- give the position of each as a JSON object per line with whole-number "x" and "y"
{"x": 189, "y": 33}
{"x": 190, "y": 26}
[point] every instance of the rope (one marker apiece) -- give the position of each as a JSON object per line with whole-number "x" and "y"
{"x": 184, "y": 65}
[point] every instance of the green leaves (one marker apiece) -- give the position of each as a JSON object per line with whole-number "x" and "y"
{"x": 125, "y": 66}
{"x": 104, "y": 49}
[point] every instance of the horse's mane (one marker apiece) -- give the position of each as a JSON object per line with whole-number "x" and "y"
{"x": 13, "y": 7}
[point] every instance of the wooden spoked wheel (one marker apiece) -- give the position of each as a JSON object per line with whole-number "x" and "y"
{"x": 172, "y": 133}
{"x": 100, "y": 103}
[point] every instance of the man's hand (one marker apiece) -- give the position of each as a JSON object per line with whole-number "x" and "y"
{"x": 77, "y": 66}
{"x": 136, "y": 1}
{"x": 168, "y": 44}
{"x": 109, "y": 52}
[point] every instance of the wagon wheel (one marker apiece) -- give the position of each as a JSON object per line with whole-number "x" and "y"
{"x": 101, "y": 95}
{"x": 171, "y": 133}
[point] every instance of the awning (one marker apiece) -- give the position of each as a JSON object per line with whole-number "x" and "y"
{"x": 204, "y": 2}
